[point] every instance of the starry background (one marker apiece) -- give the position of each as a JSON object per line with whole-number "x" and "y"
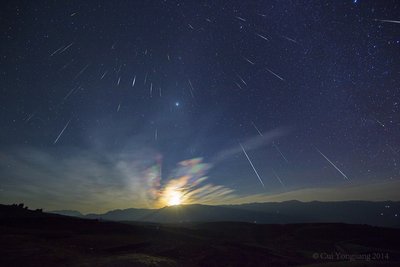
{"x": 95, "y": 92}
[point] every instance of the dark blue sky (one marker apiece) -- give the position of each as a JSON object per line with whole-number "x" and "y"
{"x": 95, "y": 93}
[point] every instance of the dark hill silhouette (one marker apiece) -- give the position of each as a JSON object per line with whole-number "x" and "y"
{"x": 35, "y": 238}
{"x": 73, "y": 213}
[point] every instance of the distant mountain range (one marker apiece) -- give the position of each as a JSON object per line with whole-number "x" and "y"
{"x": 36, "y": 238}
{"x": 386, "y": 213}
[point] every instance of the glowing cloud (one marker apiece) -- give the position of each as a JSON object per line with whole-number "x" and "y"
{"x": 187, "y": 186}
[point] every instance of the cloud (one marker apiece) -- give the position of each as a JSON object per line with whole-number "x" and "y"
{"x": 74, "y": 179}
{"x": 192, "y": 184}
{"x": 90, "y": 181}
{"x": 95, "y": 181}
{"x": 251, "y": 144}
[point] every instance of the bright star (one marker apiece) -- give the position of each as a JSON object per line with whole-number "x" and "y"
{"x": 177, "y": 104}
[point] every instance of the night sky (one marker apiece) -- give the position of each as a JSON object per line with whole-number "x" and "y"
{"x": 110, "y": 104}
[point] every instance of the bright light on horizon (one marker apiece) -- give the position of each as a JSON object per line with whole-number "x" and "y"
{"x": 174, "y": 198}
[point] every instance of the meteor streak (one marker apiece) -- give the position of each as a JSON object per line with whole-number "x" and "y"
{"x": 279, "y": 179}
{"x": 76, "y": 76}
{"x": 65, "y": 48}
{"x": 262, "y": 36}
{"x": 243, "y": 81}
{"x": 255, "y": 126}
{"x": 62, "y": 131}
{"x": 151, "y": 89}
{"x": 248, "y": 60}
{"x": 388, "y": 20}
{"x": 55, "y": 52}
{"x": 134, "y": 80}
{"x": 104, "y": 74}
{"x": 251, "y": 163}
{"x": 276, "y": 75}
{"x": 191, "y": 88}
{"x": 280, "y": 152}
{"x": 344, "y": 175}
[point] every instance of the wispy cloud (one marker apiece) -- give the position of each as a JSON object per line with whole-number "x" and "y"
{"x": 253, "y": 143}
{"x": 78, "y": 179}
{"x": 193, "y": 186}
{"x": 90, "y": 181}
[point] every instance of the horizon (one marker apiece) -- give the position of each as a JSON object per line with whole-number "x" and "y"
{"x": 198, "y": 204}
{"x": 277, "y": 198}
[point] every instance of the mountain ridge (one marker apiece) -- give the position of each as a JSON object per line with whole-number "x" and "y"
{"x": 380, "y": 213}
